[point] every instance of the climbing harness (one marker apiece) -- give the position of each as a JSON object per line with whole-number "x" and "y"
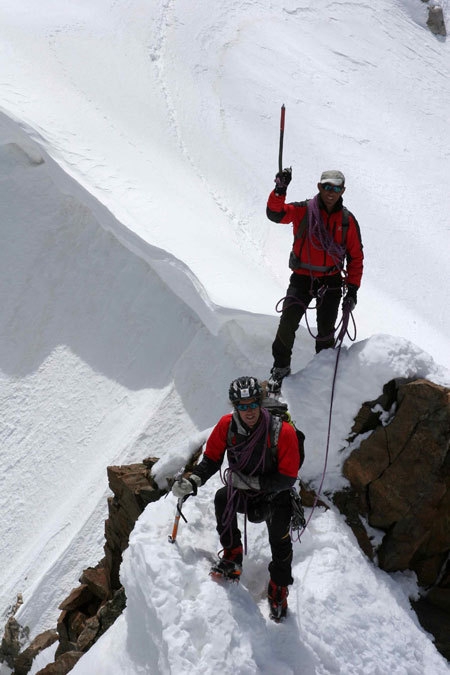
{"x": 291, "y": 300}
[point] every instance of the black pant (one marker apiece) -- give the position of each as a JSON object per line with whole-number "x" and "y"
{"x": 278, "y": 527}
{"x": 302, "y": 289}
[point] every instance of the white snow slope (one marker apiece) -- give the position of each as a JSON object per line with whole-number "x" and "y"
{"x": 139, "y": 275}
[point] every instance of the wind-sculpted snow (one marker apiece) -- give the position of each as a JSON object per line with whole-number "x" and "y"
{"x": 96, "y": 353}
{"x": 345, "y": 614}
{"x": 168, "y": 112}
{"x": 139, "y": 276}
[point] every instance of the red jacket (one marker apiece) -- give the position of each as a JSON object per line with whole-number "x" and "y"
{"x": 288, "y": 458}
{"x": 309, "y": 252}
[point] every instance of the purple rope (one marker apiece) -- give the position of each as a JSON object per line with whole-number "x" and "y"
{"x": 346, "y": 314}
{"x": 238, "y": 458}
{"x": 295, "y": 301}
{"x": 317, "y": 231}
{"x": 343, "y": 324}
{"x": 239, "y": 455}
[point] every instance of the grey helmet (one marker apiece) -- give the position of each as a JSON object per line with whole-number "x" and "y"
{"x": 245, "y": 387}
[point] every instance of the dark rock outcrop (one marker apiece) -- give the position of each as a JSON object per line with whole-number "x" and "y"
{"x": 400, "y": 483}
{"x": 436, "y": 21}
{"x": 133, "y": 488}
{"x": 93, "y": 606}
{"x": 14, "y": 636}
{"x": 63, "y": 665}
{"x": 22, "y": 663}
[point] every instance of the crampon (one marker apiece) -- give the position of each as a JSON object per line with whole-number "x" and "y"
{"x": 229, "y": 566}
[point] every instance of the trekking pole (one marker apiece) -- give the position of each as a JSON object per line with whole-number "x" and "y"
{"x": 280, "y": 150}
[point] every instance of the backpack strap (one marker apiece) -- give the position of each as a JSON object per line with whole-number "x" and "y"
{"x": 345, "y": 220}
{"x": 232, "y": 430}
{"x": 276, "y": 423}
{"x": 303, "y": 223}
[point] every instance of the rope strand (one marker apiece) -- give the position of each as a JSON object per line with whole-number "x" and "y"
{"x": 320, "y": 238}
{"x": 346, "y": 313}
{"x": 239, "y": 457}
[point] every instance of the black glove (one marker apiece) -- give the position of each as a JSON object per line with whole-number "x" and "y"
{"x": 350, "y": 298}
{"x": 282, "y": 180}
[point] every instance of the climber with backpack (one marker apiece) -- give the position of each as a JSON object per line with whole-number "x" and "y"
{"x": 326, "y": 236}
{"x": 264, "y": 455}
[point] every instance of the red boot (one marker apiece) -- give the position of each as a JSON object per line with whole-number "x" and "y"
{"x": 229, "y": 566}
{"x": 277, "y": 596}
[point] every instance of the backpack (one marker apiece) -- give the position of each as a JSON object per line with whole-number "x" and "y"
{"x": 280, "y": 414}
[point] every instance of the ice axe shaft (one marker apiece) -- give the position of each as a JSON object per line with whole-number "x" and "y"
{"x": 280, "y": 150}
{"x": 178, "y": 515}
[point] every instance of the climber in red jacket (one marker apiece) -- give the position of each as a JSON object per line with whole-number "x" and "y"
{"x": 326, "y": 257}
{"x": 264, "y": 456}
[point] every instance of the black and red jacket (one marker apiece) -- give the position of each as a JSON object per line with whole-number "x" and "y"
{"x": 279, "y": 473}
{"x": 308, "y": 251}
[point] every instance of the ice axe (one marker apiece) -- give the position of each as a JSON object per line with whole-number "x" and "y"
{"x": 280, "y": 150}
{"x": 178, "y": 515}
{"x": 284, "y": 175}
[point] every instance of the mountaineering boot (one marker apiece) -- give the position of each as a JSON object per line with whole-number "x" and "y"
{"x": 277, "y": 596}
{"x": 229, "y": 566}
{"x": 277, "y": 376}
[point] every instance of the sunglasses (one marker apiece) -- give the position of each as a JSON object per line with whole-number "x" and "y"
{"x": 332, "y": 188}
{"x": 246, "y": 406}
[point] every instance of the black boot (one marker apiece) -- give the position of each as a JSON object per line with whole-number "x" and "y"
{"x": 276, "y": 378}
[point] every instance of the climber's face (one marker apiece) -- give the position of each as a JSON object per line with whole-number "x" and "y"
{"x": 249, "y": 411}
{"x": 330, "y": 194}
